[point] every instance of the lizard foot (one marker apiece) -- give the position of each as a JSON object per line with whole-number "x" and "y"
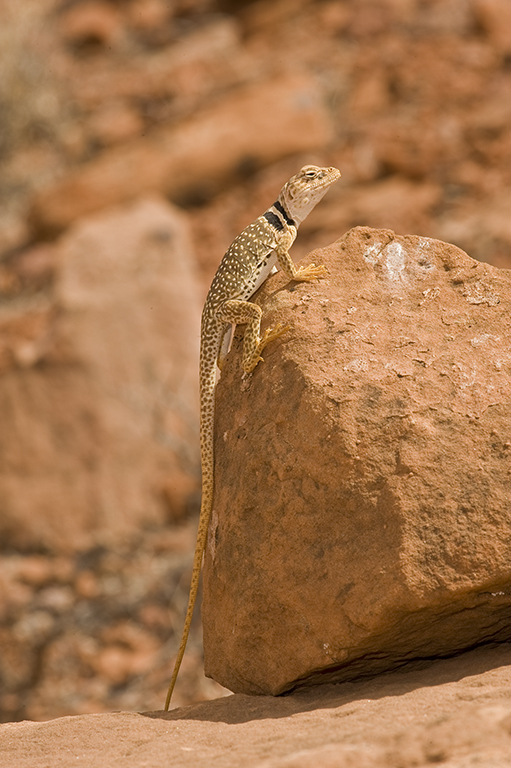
{"x": 269, "y": 335}
{"x": 312, "y": 272}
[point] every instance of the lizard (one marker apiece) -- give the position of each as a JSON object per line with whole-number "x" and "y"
{"x": 250, "y": 259}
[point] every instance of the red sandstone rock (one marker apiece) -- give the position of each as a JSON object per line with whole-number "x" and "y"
{"x": 116, "y": 123}
{"x": 361, "y": 514}
{"x": 208, "y": 59}
{"x": 99, "y": 389}
{"x": 92, "y": 20}
{"x": 148, "y": 14}
{"x": 495, "y": 18}
{"x": 256, "y": 126}
{"x": 486, "y": 226}
{"x": 413, "y": 91}
{"x": 88, "y": 631}
{"x": 435, "y": 75}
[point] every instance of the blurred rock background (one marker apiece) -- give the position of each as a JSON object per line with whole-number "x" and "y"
{"x": 137, "y": 138}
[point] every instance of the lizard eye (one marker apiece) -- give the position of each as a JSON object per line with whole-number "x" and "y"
{"x": 310, "y": 174}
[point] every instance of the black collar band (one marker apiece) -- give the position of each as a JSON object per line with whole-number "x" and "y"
{"x": 274, "y": 220}
{"x": 280, "y": 208}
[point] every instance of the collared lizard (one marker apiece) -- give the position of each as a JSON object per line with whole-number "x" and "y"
{"x": 250, "y": 259}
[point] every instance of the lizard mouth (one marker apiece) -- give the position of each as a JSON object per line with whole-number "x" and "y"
{"x": 330, "y": 176}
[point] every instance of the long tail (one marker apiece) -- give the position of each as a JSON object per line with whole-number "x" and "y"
{"x": 207, "y": 406}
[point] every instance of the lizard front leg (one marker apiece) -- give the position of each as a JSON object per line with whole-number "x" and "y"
{"x": 287, "y": 265}
{"x": 240, "y": 312}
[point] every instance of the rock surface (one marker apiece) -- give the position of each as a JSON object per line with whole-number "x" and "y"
{"x": 98, "y": 394}
{"x": 455, "y": 713}
{"x": 361, "y": 516}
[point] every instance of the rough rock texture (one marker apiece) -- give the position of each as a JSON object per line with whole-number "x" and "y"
{"x": 455, "y": 713}
{"x": 361, "y": 516}
{"x": 98, "y": 391}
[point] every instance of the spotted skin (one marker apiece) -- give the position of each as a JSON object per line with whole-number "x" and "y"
{"x": 251, "y": 258}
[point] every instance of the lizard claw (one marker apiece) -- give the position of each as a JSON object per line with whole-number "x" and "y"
{"x": 269, "y": 335}
{"x": 312, "y": 272}
{"x": 273, "y": 333}
{"x": 248, "y": 368}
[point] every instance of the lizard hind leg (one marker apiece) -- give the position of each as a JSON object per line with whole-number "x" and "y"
{"x": 240, "y": 312}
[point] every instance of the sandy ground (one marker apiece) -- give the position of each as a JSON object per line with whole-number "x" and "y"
{"x": 455, "y": 713}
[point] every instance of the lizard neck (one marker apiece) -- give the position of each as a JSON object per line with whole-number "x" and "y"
{"x": 279, "y": 217}
{"x": 290, "y": 221}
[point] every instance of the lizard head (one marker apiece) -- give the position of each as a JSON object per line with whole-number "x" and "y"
{"x": 303, "y": 191}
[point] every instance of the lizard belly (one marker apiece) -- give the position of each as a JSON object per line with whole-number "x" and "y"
{"x": 226, "y": 342}
{"x": 268, "y": 266}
